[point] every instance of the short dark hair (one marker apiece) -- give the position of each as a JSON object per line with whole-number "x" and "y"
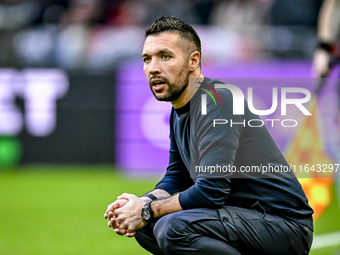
{"x": 172, "y": 24}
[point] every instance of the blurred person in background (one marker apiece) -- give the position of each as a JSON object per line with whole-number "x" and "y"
{"x": 178, "y": 8}
{"x": 327, "y": 51}
{"x": 51, "y": 11}
{"x": 239, "y": 14}
{"x": 67, "y": 12}
{"x": 192, "y": 212}
{"x": 246, "y": 18}
{"x": 74, "y": 40}
{"x": 14, "y": 15}
{"x": 122, "y": 13}
{"x": 295, "y": 12}
{"x": 85, "y": 12}
{"x": 134, "y": 12}
{"x": 328, "y": 36}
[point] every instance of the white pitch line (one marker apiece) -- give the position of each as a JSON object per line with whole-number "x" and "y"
{"x": 326, "y": 240}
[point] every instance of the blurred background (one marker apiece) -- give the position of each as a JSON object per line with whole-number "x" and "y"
{"x": 79, "y": 126}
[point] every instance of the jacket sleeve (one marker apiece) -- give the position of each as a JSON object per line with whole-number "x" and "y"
{"x": 177, "y": 177}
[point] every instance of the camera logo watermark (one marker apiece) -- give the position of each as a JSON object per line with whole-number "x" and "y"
{"x": 238, "y": 104}
{"x": 204, "y": 97}
{"x": 238, "y": 100}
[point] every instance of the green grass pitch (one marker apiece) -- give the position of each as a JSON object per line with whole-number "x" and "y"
{"x": 59, "y": 210}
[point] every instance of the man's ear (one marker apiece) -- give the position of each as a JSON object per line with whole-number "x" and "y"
{"x": 194, "y": 61}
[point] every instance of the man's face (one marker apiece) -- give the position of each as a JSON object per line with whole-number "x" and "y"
{"x": 166, "y": 65}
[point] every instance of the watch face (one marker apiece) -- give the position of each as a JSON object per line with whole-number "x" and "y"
{"x": 146, "y": 214}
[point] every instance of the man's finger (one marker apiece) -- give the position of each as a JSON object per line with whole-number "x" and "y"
{"x": 124, "y": 225}
{"x": 120, "y": 231}
{"x": 131, "y": 234}
{"x": 110, "y": 215}
{"x": 112, "y": 223}
{"x": 115, "y": 205}
{"x": 111, "y": 208}
{"x": 120, "y": 218}
{"x": 125, "y": 196}
{"x": 131, "y": 228}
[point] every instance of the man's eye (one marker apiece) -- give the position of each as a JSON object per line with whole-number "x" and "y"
{"x": 146, "y": 59}
{"x": 165, "y": 56}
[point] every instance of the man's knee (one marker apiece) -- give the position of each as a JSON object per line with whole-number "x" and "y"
{"x": 168, "y": 232}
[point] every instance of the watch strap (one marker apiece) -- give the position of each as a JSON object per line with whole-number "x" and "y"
{"x": 149, "y": 195}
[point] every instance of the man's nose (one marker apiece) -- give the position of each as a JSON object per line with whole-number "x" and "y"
{"x": 155, "y": 67}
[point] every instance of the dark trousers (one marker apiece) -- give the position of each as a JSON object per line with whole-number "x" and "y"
{"x": 229, "y": 230}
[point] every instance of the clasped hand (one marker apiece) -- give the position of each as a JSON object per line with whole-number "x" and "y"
{"x": 125, "y": 215}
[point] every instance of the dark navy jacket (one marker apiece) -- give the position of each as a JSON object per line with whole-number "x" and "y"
{"x": 196, "y": 143}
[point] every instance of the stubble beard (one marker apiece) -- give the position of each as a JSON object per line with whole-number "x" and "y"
{"x": 176, "y": 88}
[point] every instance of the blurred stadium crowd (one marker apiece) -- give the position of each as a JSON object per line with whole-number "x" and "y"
{"x": 99, "y": 34}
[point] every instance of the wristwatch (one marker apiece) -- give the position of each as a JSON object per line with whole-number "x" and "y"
{"x": 147, "y": 213}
